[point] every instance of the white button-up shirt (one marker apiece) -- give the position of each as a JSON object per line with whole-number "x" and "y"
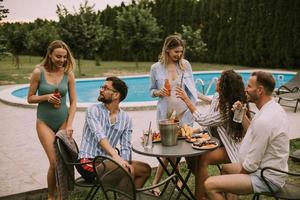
{"x": 266, "y": 143}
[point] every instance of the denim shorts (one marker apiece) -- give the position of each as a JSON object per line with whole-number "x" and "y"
{"x": 259, "y": 185}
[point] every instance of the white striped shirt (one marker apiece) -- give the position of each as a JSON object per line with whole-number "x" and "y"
{"x": 213, "y": 118}
{"x": 98, "y": 126}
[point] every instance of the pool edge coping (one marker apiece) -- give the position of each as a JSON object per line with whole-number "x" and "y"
{"x": 7, "y": 97}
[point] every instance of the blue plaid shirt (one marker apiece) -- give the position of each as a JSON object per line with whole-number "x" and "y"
{"x": 98, "y": 126}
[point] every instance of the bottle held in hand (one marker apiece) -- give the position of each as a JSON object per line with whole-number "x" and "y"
{"x": 58, "y": 95}
{"x": 239, "y": 114}
{"x": 168, "y": 87}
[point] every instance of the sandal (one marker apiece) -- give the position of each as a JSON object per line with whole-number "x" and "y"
{"x": 156, "y": 191}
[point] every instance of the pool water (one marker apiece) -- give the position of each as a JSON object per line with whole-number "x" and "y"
{"x": 138, "y": 87}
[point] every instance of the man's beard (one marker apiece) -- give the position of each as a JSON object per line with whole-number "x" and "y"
{"x": 252, "y": 98}
{"x": 105, "y": 101}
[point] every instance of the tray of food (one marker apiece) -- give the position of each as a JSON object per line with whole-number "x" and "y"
{"x": 205, "y": 145}
{"x": 185, "y": 131}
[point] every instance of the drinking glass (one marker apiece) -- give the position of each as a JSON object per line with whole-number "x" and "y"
{"x": 148, "y": 144}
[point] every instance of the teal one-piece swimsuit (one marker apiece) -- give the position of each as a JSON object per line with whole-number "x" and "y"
{"x": 53, "y": 117}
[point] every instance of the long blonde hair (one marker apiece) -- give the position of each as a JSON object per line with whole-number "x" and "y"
{"x": 47, "y": 62}
{"x": 171, "y": 42}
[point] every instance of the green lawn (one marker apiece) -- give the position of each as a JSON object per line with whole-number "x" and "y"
{"x": 9, "y": 74}
{"x": 213, "y": 170}
{"x": 80, "y": 193}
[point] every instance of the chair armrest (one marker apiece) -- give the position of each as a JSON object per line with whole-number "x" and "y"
{"x": 78, "y": 163}
{"x": 277, "y": 170}
{"x": 296, "y": 89}
{"x": 157, "y": 185}
{"x": 282, "y": 89}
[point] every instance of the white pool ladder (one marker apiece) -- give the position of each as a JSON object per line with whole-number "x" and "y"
{"x": 211, "y": 82}
{"x": 199, "y": 80}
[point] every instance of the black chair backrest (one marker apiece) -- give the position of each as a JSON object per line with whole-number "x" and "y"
{"x": 114, "y": 178}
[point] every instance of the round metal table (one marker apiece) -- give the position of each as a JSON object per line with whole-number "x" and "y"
{"x": 182, "y": 149}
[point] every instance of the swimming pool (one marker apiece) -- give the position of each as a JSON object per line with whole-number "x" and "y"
{"x": 138, "y": 93}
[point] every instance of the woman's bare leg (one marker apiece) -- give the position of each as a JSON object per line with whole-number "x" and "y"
{"x": 158, "y": 175}
{"x": 217, "y": 156}
{"x": 47, "y": 137}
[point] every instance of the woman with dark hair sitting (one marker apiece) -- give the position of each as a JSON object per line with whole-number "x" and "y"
{"x": 219, "y": 121}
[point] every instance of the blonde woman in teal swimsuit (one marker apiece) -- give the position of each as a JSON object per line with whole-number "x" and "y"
{"x": 50, "y": 82}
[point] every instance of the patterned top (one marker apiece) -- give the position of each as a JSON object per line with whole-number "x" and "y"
{"x": 158, "y": 74}
{"x": 98, "y": 126}
{"x": 213, "y": 118}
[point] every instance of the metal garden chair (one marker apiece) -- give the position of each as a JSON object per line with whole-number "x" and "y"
{"x": 69, "y": 161}
{"x": 117, "y": 183}
{"x": 289, "y": 190}
{"x": 291, "y": 86}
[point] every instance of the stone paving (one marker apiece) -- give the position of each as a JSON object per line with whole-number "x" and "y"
{"x": 23, "y": 161}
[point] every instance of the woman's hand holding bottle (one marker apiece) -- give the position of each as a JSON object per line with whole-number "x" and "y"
{"x": 180, "y": 93}
{"x": 165, "y": 91}
{"x": 54, "y": 98}
{"x": 239, "y": 110}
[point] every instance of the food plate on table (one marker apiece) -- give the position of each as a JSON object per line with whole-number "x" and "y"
{"x": 205, "y": 145}
{"x": 198, "y": 137}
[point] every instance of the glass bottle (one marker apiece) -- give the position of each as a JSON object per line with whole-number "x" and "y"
{"x": 168, "y": 87}
{"x": 239, "y": 114}
{"x": 58, "y": 95}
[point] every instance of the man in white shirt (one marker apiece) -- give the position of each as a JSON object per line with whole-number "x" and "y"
{"x": 266, "y": 144}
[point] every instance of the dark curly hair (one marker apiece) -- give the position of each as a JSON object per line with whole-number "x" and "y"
{"x": 232, "y": 89}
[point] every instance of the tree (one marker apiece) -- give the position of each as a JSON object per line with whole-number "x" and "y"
{"x": 3, "y": 11}
{"x": 15, "y": 35}
{"x": 40, "y": 36}
{"x": 82, "y": 31}
{"x": 195, "y": 46}
{"x": 137, "y": 30}
{"x": 3, "y": 48}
